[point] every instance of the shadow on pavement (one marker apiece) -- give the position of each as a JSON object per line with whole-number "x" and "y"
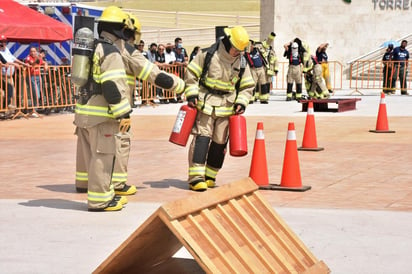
{"x": 66, "y": 188}
{"x": 167, "y": 183}
{"x": 57, "y": 204}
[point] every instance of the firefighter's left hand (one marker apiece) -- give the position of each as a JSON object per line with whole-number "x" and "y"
{"x": 239, "y": 109}
{"x": 124, "y": 125}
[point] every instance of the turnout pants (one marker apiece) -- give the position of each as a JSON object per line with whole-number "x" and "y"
{"x": 208, "y": 147}
{"x": 119, "y": 177}
{"x": 96, "y": 148}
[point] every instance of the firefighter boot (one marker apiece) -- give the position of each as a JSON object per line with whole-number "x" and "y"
{"x": 289, "y": 92}
{"x": 298, "y": 92}
{"x": 126, "y": 190}
{"x": 112, "y": 206}
{"x": 122, "y": 199}
{"x": 211, "y": 183}
{"x": 198, "y": 186}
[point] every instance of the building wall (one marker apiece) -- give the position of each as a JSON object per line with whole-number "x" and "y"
{"x": 351, "y": 29}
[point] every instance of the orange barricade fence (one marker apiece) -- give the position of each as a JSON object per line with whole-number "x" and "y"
{"x": 149, "y": 92}
{"x": 19, "y": 92}
{"x": 279, "y": 82}
{"x": 26, "y": 93}
{"x": 388, "y": 75}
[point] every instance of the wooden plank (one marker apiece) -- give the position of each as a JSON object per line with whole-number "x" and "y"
{"x": 282, "y": 225}
{"x": 212, "y": 197}
{"x": 318, "y": 268}
{"x": 142, "y": 249}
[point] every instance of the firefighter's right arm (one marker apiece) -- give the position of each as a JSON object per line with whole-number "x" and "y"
{"x": 144, "y": 70}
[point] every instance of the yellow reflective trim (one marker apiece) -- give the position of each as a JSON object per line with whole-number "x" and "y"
{"x": 219, "y": 85}
{"x": 119, "y": 176}
{"x": 192, "y": 91}
{"x": 246, "y": 82}
{"x": 82, "y": 176}
{"x": 112, "y": 74}
{"x": 211, "y": 173}
{"x": 224, "y": 111}
{"x": 180, "y": 86}
{"x": 131, "y": 80}
{"x": 101, "y": 196}
{"x": 147, "y": 68}
{"x": 195, "y": 69}
{"x": 197, "y": 170}
{"x": 93, "y": 111}
{"x": 121, "y": 108}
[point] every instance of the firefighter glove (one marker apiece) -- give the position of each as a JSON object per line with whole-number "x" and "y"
{"x": 239, "y": 109}
{"x": 192, "y": 101}
{"x": 124, "y": 125}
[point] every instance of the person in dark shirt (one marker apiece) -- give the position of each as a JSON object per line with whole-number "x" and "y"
{"x": 387, "y": 70}
{"x": 401, "y": 62}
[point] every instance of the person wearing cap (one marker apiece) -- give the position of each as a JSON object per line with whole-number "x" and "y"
{"x": 9, "y": 64}
{"x": 219, "y": 84}
{"x": 322, "y": 58}
{"x": 387, "y": 70}
{"x": 294, "y": 52}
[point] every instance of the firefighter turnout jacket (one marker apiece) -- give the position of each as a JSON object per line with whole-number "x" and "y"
{"x": 218, "y": 92}
{"x": 97, "y": 121}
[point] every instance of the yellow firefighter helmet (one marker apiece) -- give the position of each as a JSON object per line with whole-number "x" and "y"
{"x": 238, "y": 37}
{"x": 113, "y": 14}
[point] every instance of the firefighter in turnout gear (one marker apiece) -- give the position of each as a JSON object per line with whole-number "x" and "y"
{"x": 263, "y": 74}
{"x": 102, "y": 114}
{"x": 294, "y": 51}
{"x": 219, "y": 84}
{"x": 312, "y": 71}
{"x": 137, "y": 66}
{"x": 314, "y": 82}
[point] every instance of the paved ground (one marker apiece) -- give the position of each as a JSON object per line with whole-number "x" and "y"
{"x": 357, "y": 217}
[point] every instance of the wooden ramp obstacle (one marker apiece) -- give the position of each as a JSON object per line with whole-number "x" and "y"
{"x": 322, "y": 105}
{"x": 229, "y": 229}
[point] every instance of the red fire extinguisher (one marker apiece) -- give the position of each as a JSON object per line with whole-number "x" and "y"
{"x": 237, "y": 135}
{"x": 183, "y": 125}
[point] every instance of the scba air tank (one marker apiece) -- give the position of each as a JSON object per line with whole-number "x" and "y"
{"x": 82, "y": 51}
{"x": 183, "y": 125}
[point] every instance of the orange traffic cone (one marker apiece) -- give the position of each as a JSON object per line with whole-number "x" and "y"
{"x": 309, "y": 142}
{"x": 258, "y": 168}
{"x": 382, "y": 121}
{"x": 291, "y": 179}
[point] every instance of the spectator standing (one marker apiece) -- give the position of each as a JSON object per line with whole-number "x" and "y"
{"x": 222, "y": 90}
{"x": 170, "y": 57}
{"x": 140, "y": 47}
{"x": 160, "y": 61}
{"x": 151, "y": 53}
{"x": 179, "y": 45}
{"x": 9, "y": 64}
{"x": 36, "y": 62}
{"x": 387, "y": 70}
{"x": 401, "y": 62}
{"x": 322, "y": 58}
